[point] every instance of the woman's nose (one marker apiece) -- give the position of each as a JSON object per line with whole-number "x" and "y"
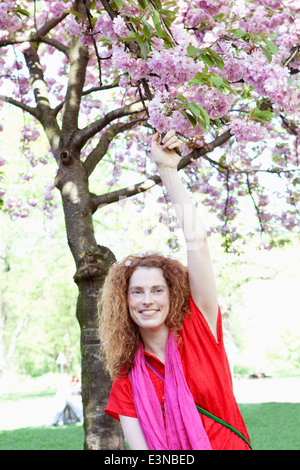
{"x": 148, "y": 298}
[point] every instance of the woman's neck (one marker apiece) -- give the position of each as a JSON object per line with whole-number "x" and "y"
{"x": 155, "y": 342}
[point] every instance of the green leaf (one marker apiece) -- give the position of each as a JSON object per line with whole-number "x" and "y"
{"x": 181, "y": 97}
{"x": 217, "y": 59}
{"x": 207, "y": 59}
{"x": 204, "y": 115}
{"x": 267, "y": 53}
{"x": 143, "y": 4}
{"x": 167, "y": 39}
{"x": 200, "y": 78}
{"x": 239, "y": 33}
{"x": 156, "y": 21}
{"x": 145, "y": 49}
{"x": 193, "y": 51}
{"x": 119, "y": 4}
{"x": 202, "y": 124}
{"x": 134, "y": 4}
{"x": 75, "y": 13}
{"x": 217, "y": 81}
{"x": 190, "y": 117}
{"x": 23, "y": 12}
{"x": 218, "y": 123}
{"x": 262, "y": 115}
{"x": 194, "y": 109}
{"x": 158, "y": 4}
{"x": 271, "y": 46}
{"x": 147, "y": 29}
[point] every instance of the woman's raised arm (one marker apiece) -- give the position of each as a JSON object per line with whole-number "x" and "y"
{"x": 201, "y": 275}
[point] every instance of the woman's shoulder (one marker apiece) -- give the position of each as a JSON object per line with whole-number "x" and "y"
{"x": 196, "y": 319}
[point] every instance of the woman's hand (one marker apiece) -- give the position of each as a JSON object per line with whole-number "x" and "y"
{"x": 163, "y": 154}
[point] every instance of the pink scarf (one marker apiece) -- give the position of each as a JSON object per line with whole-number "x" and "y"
{"x": 184, "y": 429}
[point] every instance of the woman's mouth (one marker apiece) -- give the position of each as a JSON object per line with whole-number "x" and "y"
{"x": 148, "y": 312}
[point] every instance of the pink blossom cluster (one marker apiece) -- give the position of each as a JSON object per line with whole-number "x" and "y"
{"x": 168, "y": 71}
{"x": 15, "y": 208}
{"x": 120, "y": 27}
{"x": 171, "y": 67}
{"x": 58, "y": 7}
{"x": 73, "y": 26}
{"x": 8, "y": 20}
{"x": 124, "y": 62}
{"x": 246, "y": 130}
{"x": 157, "y": 110}
{"x": 183, "y": 125}
{"x": 213, "y": 101}
{"x": 270, "y": 3}
{"x": 212, "y": 7}
{"x": 29, "y": 133}
{"x": 271, "y": 80}
{"x": 104, "y": 27}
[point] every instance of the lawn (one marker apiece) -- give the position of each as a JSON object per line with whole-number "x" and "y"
{"x": 68, "y": 437}
{"x": 272, "y": 426}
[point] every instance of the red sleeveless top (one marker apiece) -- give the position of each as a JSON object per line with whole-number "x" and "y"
{"x": 208, "y": 376}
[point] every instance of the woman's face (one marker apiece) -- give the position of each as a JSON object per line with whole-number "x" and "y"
{"x": 148, "y": 298}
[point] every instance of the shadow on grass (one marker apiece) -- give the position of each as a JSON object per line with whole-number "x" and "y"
{"x": 69, "y": 437}
{"x": 273, "y": 426}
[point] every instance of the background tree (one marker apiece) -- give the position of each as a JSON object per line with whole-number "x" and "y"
{"x": 222, "y": 74}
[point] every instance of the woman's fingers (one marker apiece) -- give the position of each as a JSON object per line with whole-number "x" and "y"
{"x": 171, "y": 142}
{"x": 169, "y": 135}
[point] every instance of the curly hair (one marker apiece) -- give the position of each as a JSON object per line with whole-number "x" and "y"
{"x": 119, "y": 335}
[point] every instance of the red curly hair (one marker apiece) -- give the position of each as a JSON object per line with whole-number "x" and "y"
{"x": 119, "y": 335}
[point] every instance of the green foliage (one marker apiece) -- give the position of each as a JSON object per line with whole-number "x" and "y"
{"x": 39, "y": 296}
{"x": 266, "y": 45}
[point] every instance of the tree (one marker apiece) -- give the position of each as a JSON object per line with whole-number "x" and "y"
{"x": 222, "y": 74}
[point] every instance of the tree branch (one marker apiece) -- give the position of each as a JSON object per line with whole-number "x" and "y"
{"x": 100, "y": 150}
{"x": 112, "y": 13}
{"x": 85, "y": 93}
{"x": 132, "y": 190}
{"x": 39, "y": 36}
{"x": 89, "y": 131}
{"x": 51, "y": 24}
{"x": 79, "y": 57}
{"x": 207, "y": 148}
{"x": 43, "y": 111}
{"x": 20, "y": 105}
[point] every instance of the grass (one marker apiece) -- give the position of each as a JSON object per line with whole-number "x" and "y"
{"x": 69, "y": 437}
{"x": 272, "y": 426}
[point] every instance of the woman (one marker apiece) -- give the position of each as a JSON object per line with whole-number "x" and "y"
{"x": 161, "y": 335}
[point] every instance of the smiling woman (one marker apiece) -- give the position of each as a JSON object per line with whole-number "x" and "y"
{"x": 162, "y": 342}
{"x": 140, "y": 282}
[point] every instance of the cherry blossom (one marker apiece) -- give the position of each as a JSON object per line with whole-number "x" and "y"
{"x": 202, "y": 68}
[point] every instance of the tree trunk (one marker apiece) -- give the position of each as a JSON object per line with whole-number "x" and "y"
{"x": 92, "y": 264}
{"x": 101, "y": 431}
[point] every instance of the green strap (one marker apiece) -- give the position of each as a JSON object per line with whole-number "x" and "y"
{"x": 219, "y": 420}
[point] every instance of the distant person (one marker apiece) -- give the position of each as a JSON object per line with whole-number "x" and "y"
{"x": 68, "y": 400}
{"x": 162, "y": 340}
